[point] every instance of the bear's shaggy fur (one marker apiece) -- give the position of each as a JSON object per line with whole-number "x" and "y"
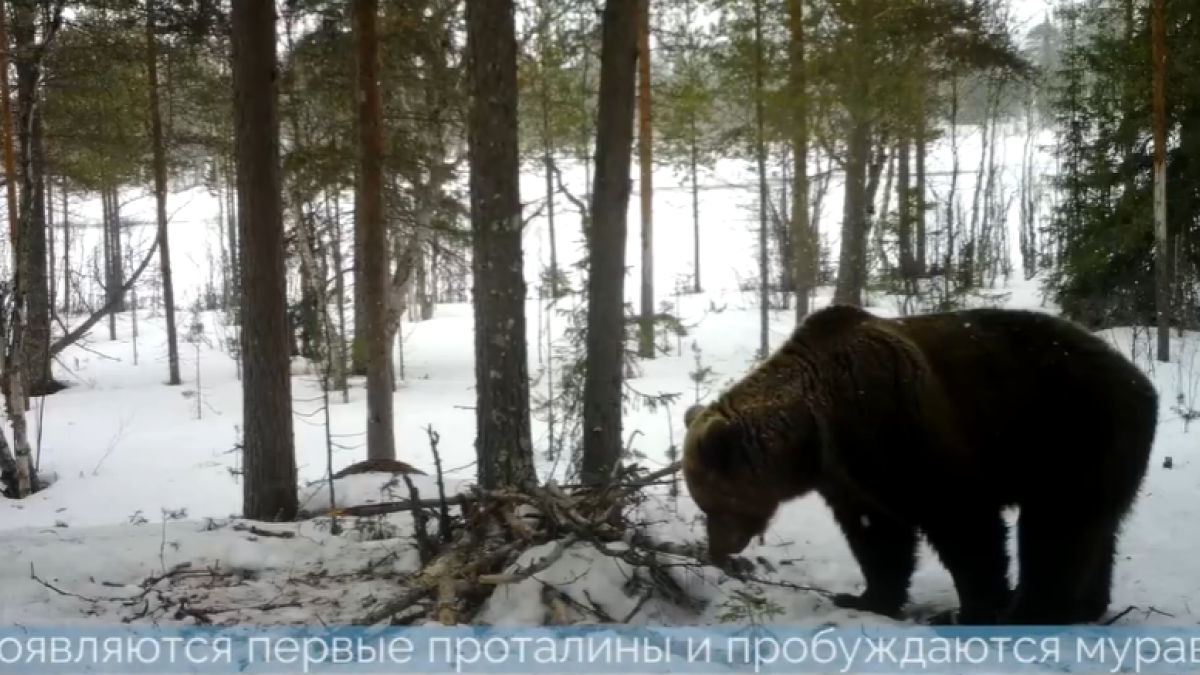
{"x": 934, "y": 424}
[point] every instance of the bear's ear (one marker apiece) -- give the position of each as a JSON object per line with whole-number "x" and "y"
{"x": 691, "y": 414}
{"x": 718, "y": 445}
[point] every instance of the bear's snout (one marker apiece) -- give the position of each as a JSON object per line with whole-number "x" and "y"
{"x": 729, "y": 535}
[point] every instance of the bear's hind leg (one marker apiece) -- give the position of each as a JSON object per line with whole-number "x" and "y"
{"x": 1061, "y": 558}
{"x": 972, "y": 544}
{"x": 1096, "y": 594}
{"x": 886, "y": 552}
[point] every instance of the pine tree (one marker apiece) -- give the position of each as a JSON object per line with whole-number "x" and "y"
{"x": 503, "y": 439}
{"x": 270, "y": 490}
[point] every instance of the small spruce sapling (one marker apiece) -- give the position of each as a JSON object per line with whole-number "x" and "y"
{"x": 1187, "y": 384}
{"x": 237, "y": 451}
{"x": 167, "y": 516}
{"x": 672, "y": 457}
{"x": 702, "y": 376}
{"x": 668, "y": 325}
{"x": 195, "y": 336}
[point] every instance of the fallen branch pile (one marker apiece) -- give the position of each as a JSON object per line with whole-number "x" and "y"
{"x": 469, "y": 545}
{"x": 478, "y": 548}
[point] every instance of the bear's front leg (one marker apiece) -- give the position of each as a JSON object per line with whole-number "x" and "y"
{"x": 886, "y": 551}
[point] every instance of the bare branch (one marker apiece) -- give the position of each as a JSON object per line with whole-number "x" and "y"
{"x": 108, "y": 307}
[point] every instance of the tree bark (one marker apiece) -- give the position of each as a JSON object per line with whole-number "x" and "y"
{"x": 922, "y": 148}
{"x": 114, "y": 277}
{"x": 66, "y": 247}
{"x": 503, "y": 441}
{"x": 110, "y": 282}
{"x": 374, "y": 261}
{"x": 160, "y": 196}
{"x": 51, "y": 269}
{"x": 34, "y": 283}
{"x": 17, "y": 467}
{"x": 358, "y": 341}
{"x": 270, "y": 491}
{"x": 606, "y": 236}
{"x": 233, "y": 232}
{"x": 908, "y": 262}
{"x": 341, "y": 365}
{"x": 803, "y": 239}
{"x": 548, "y": 145}
{"x": 1162, "y": 281}
{"x": 859, "y": 74}
{"x": 646, "y": 162}
{"x": 852, "y": 262}
{"x": 694, "y": 170}
{"x": 760, "y": 151}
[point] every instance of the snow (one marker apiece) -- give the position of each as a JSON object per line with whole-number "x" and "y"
{"x": 144, "y": 474}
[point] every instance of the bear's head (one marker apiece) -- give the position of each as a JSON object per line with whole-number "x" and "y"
{"x": 727, "y": 474}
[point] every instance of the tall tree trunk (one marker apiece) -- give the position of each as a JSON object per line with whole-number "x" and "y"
{"x": 852, "y": 259}
{"x": 435, "y": 245}
{"x": 66, "y": 247}
{"x": 10, "y": 165}
{"x": 341, "y": 378}
{"x": 358, "y": 342}
{"x": 18, "y": 466}
{"x": 607, "y": 231}
{"x": 133, "y": 314}
{"x": 226, "y": 300}
{"x": 112, "y": 277}
{"x": 32, "y": 206}
{"x": 1162, "y": 285}
{"x": 51, "y": 268}
{"x": 314, "y": 304}
{"x": 971, "y": 265}
{"x": 905, "y": 215}
{"x": 369, "y": 218}
{"x": 503, "y": 442}
{"x": 803, "y": 239}
{"x": 548, "y": 145}
{"x": 160, "y": 196}
{"x": 880, "y": 160}
{"x": 585, "y": 114}
{"x": 270, "y": 490}
{"x": 888, "y": 167}
{"x": 951, "y": 227}
{"x": 760, "y": 151}
{"x": 781, "y": 228}
{"x": 1028, "y": 236}
{"x": 118, "y": 255}
{"x": 694, "y": 170}
{"x": 424, "y": 292}
{"x": 646, "y": 162}
{"x": 852, "y": 262}
{"x": 233, "y": 232}
{"x": 921, "y": 145}
{"x": 990, "y": 256}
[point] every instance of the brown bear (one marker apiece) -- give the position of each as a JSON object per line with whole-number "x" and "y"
{"x": 933, "y": 425}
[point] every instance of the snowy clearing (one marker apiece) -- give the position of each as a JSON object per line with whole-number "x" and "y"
{"x": 144, "y": 487}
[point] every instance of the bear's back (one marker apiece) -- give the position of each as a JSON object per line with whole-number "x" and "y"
{"x": 1034, "y": 392}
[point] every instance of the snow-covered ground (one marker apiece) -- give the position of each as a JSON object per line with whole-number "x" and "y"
{"x": 143, "y": 484}
{"x": 145, "y": 481}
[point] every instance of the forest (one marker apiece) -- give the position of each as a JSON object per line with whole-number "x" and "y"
{"x": 355, "y": 281}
